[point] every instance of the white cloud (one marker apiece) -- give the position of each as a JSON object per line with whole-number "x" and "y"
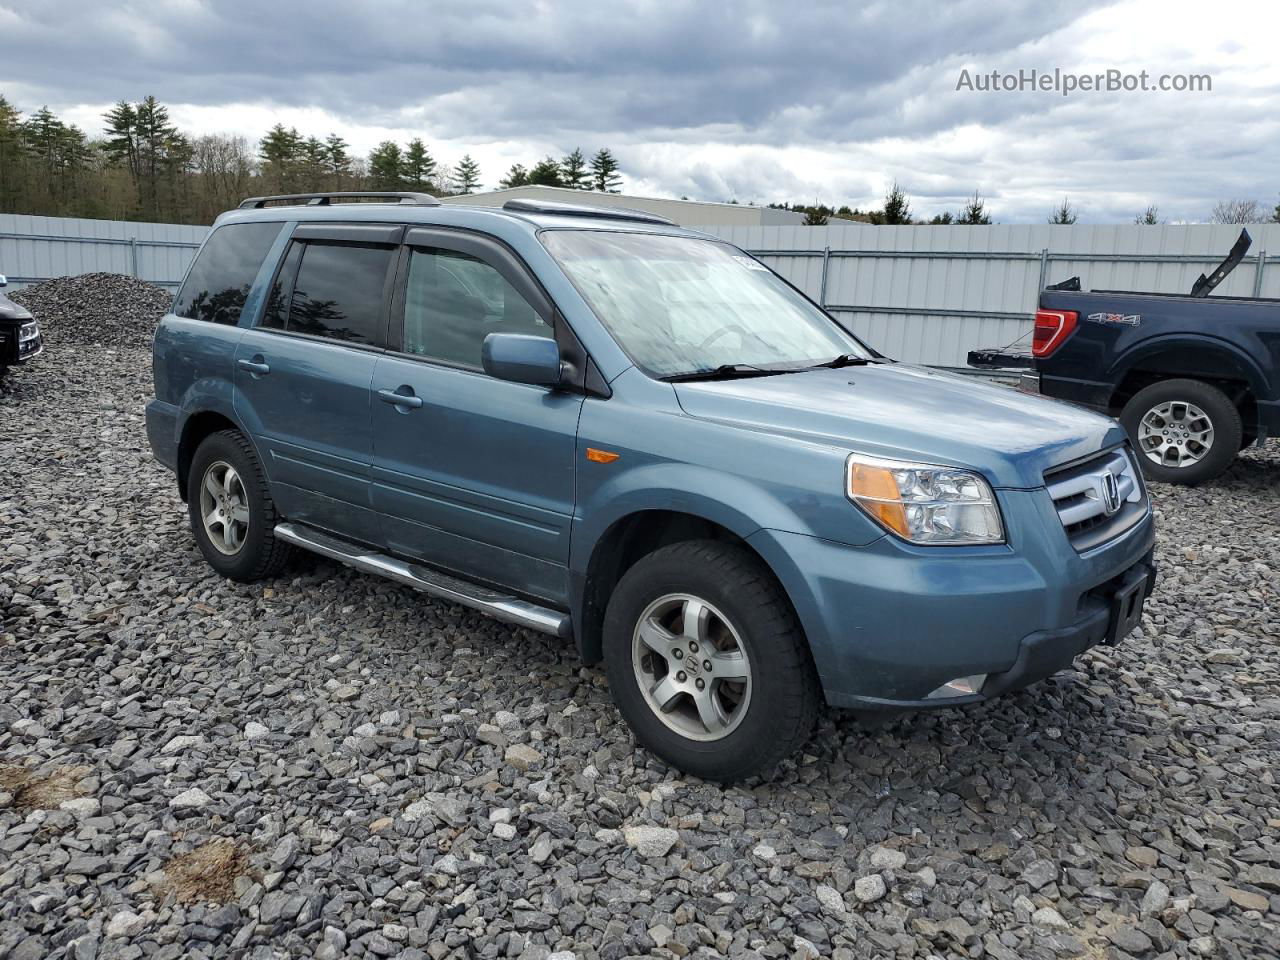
{"x": 760, "y": 103}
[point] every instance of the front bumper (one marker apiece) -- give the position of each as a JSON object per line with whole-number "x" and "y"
{"x": 20, "y": 343}
{"x": 889, "y": 623}
{"x": 1045, "y": 652}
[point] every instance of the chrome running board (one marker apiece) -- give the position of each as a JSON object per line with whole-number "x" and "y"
{"x": 499, "y": 605}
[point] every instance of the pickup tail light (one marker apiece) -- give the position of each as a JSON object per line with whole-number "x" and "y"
{"x": 1052, "y": 328}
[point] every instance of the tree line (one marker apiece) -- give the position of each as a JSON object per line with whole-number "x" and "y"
{"x": 142, "y": 167}
{"x": 896, "y": 210}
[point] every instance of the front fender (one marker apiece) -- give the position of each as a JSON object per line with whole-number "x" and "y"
{"x": 740, "y": 504}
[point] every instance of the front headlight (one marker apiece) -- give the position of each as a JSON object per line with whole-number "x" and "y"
{"x": 28, "y": 331}
{"x": 924, "y": 503}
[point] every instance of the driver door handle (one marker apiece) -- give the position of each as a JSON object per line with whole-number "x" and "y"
{"x": 400, "y": 399}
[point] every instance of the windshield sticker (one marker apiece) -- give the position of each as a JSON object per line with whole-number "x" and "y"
{"x": 751, "y": 264}
{"x": 1128, "y": 319}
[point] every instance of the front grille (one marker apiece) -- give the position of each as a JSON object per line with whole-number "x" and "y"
{"x": 1099, "y": 498}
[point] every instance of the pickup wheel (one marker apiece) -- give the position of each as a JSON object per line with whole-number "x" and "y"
{"x": 707, "y": 662}
{"x": 232, "y": 514}
{"x": 1184, "y": 431}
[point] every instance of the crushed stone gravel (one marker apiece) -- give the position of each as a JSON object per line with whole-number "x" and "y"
{"x": 102, "y": 308}
{"x": 345, "y": 748}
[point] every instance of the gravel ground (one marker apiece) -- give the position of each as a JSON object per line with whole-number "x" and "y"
{"x": 329, "y": 765}
{"x": 103, "y": 308}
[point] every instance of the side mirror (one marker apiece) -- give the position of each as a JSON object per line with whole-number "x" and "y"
{"x": 522, "y": 359}
{"x": 4, "y": 281}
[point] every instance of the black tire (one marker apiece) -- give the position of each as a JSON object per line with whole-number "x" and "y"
{"x": 1218, "y": 409}
{"x": 782, "y": 706}
{"x": 259, "y": 554}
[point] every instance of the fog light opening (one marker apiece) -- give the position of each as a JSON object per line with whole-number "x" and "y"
{"x": 959, "y": 687}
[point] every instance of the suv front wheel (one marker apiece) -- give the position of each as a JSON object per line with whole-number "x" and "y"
{"x": 707, "y": 662}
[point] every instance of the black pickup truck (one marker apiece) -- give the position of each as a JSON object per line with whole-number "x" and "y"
{"x": 19, "y": 332}
{"x": 1193, "y": 378}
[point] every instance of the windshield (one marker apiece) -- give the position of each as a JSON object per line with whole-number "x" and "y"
{"x": 678, "y": 305}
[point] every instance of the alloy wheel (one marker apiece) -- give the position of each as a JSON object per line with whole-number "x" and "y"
{"x": 224, "y": 507}
{"x": 692, "y": 666}
{"x": 1175, "y": 433}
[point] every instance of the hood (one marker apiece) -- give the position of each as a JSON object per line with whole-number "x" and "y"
{"x": 11, "y": 311}
{"x": 911, "y": 413}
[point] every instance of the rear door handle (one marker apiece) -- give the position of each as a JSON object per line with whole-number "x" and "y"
{"x": 397, "y": 399}
{"x": 256, "y": 366}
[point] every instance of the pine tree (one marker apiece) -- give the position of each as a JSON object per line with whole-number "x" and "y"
{"x": 162, "y": 152}
{"x": 419, "y": 167}
{"x": 59, "y": 154}
{"x": 12, "y": 155}
{"x": 975, "y": 211}
{"x": 337, "y": 162}
{"x": 467, "y": 177}
{"x": 1275, "y": 217}
{"x": 605, "y": 175}
{"x": 280, "y": 151}
{"x": 386, "y": 167}
{"x": 816, "y": 216}
{"x": 573, "y": 170}
{"x": 1065, "y": 213}
{"x": 546, "y": 172}
{"x": 313, "y": 155}
{"x": 121, "y": 145}
{"x": 896, "y": 210}
{"x": 1151, "y": 216}
{"x": 942, "y": 219}
{"x": 517, "y": 176}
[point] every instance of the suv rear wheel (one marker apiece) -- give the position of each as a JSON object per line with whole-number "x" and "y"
{"x": 1185, "y": 431}
{"x": 232, "y": 514}
{"x": 707, "y": 662}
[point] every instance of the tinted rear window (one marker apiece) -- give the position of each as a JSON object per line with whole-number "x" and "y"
{"x": 224, "y": 271}
{"x": 338, "y": 291}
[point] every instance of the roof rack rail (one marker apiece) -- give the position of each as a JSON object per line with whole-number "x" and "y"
{"x": 584, "y": 210}
{"x": 326, "y": 199}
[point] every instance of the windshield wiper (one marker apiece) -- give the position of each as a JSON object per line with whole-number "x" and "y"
{"x": 845, "y": 360}
{"x": 726, "y": 371}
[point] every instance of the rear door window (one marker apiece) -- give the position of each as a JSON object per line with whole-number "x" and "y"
{"x": 219, "y": 280}
{"x": 332, "y": 290}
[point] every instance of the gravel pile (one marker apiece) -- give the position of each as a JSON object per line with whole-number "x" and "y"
{"x": 100, "y": 308}
{"x": 329, "y": 765}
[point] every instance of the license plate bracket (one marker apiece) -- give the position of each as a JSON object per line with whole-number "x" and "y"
{"x": 1126, "y": 610}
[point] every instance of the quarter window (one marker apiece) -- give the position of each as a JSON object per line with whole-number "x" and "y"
{"x": 453, "y": 301}
{"x": 219, "y": 280}
{"x": 332, "y": 290}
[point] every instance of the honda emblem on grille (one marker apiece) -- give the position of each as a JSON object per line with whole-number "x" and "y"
{"x": 1110, "y": 493}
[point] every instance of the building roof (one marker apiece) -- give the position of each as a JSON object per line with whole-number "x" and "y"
{"x": 692, "y": 213}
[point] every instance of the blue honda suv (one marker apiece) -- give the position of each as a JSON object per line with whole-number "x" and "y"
{"x": 593, "y": 423}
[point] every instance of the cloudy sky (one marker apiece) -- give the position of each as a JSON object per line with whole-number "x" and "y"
{"x": 754, "y": 101}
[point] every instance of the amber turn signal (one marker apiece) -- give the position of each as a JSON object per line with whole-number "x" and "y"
{"x": 601, "y": 456}
{"x": 876, "y": 489}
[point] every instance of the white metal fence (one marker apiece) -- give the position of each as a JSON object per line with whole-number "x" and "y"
{"x": 922, "y": 294}
{"x": 40, "y": 248}
{"x": 931, "y": 294}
